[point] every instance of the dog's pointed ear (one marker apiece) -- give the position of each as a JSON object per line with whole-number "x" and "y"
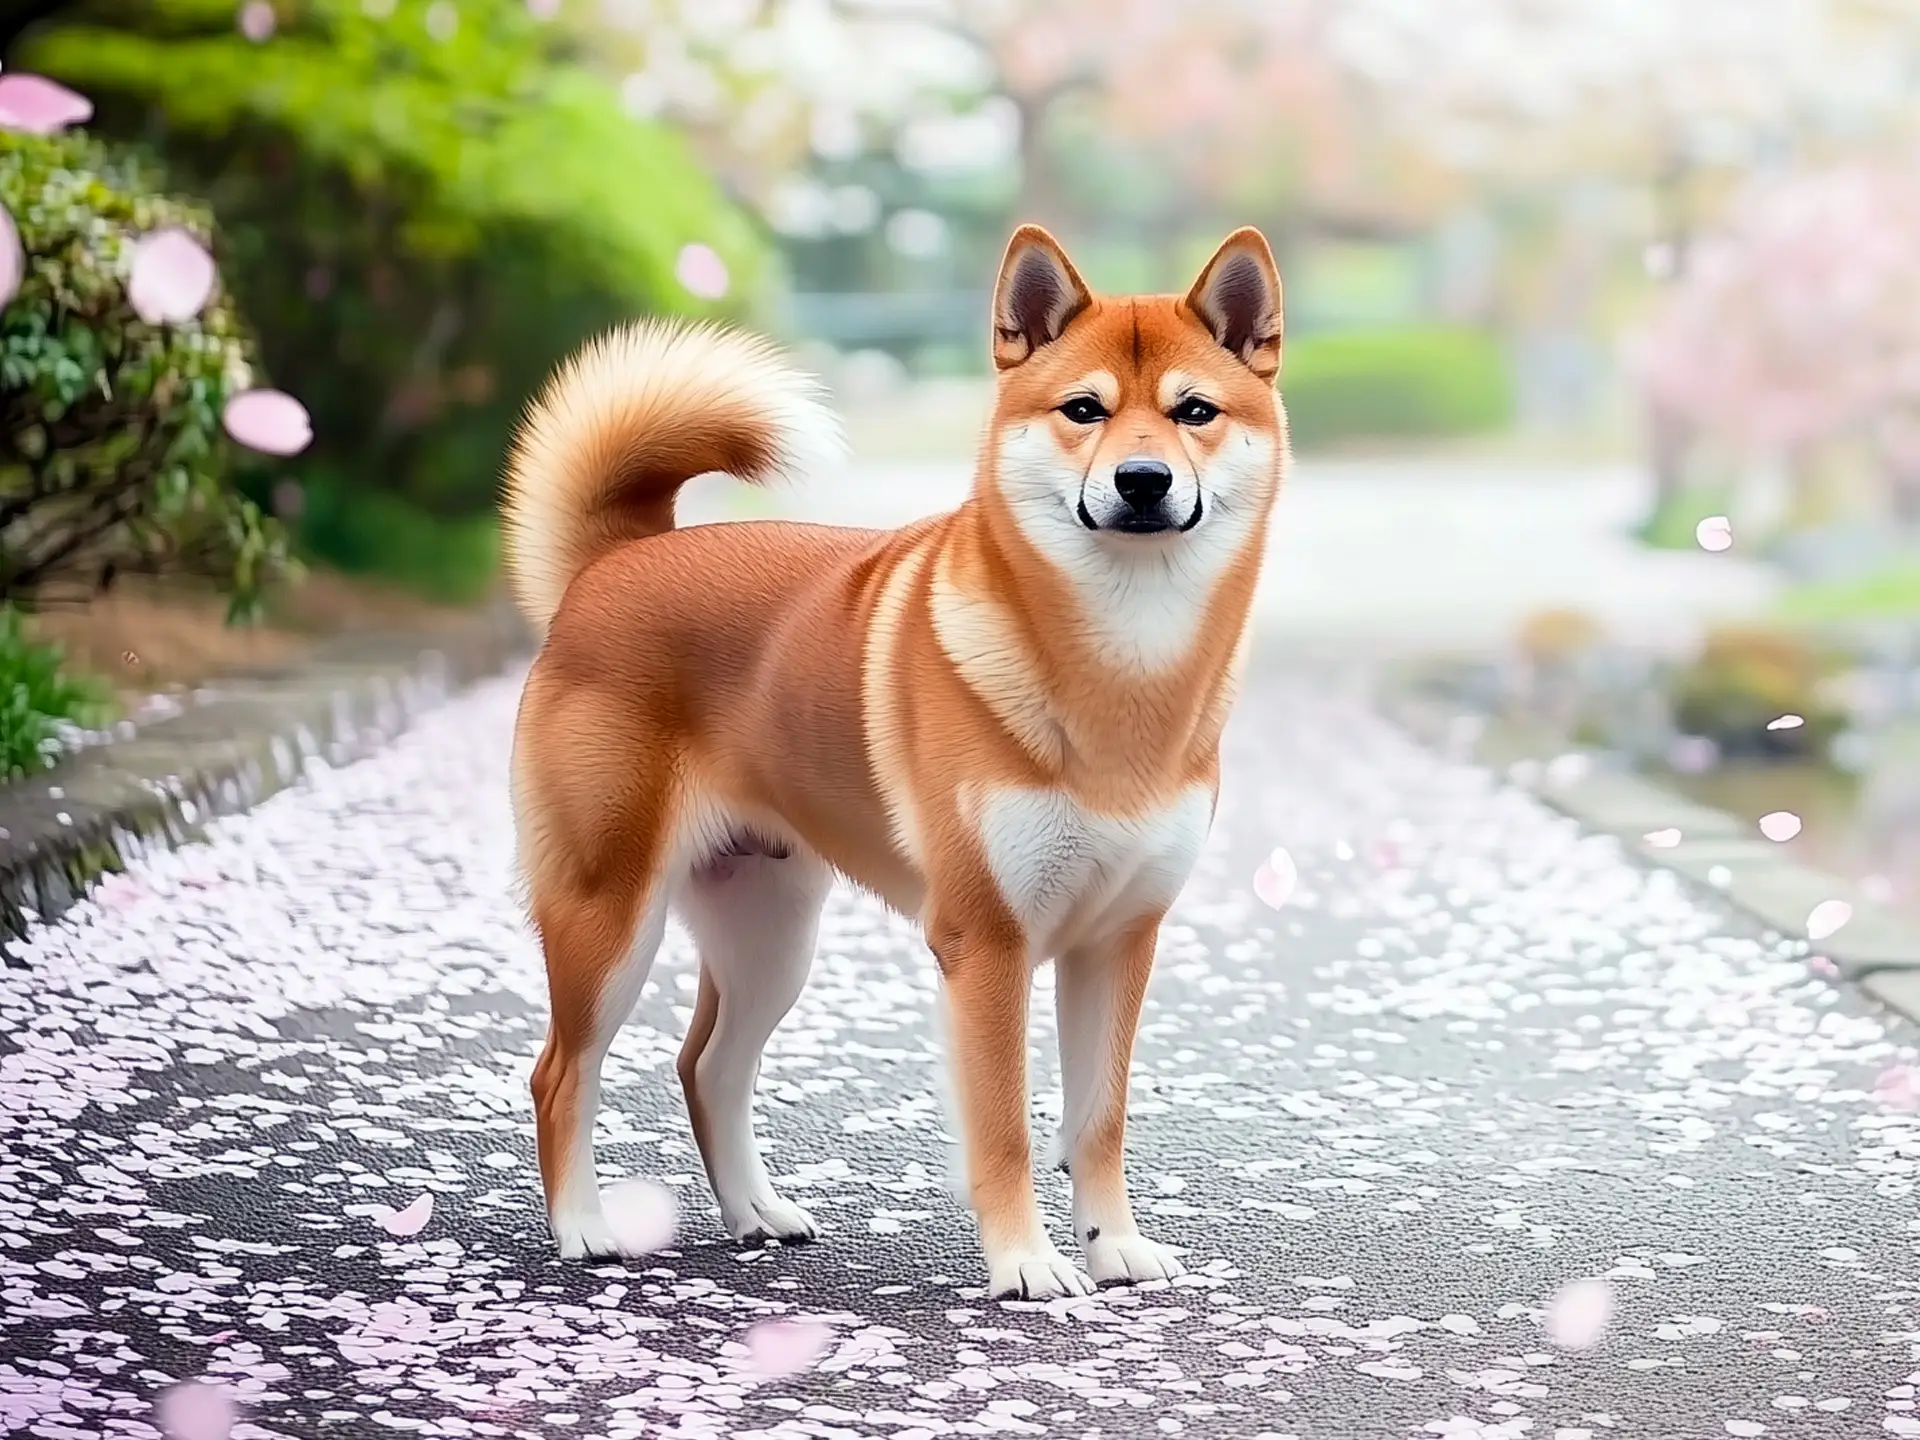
{"x": 1237, "y": 298}
{"x": 1037, "y": 293}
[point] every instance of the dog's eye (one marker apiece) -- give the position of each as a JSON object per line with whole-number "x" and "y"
{"x": 1194, "y": 411}
{"x": 1084, "y": 410}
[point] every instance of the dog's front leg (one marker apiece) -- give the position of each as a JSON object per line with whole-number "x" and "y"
{"x": 1098, "y": 993}
{"x": 987, "y": 976}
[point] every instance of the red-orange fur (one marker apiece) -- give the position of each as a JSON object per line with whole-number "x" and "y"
{"x": 734, "y": 669}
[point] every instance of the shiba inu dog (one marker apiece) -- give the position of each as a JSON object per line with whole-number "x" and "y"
{"x": 1003, "y": 721}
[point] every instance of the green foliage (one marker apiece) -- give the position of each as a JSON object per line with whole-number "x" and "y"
{"x": 449, "y": 560}
{"x": 1888, "y": 594}
{"x": 1399, "y": 382}
{"x": 427, "y": 209}
{"x": 39, "y": 699}
{"x": 1745, "y": 676}
{"x": 1671, "y": 523}
{"x": 112, "y": 459}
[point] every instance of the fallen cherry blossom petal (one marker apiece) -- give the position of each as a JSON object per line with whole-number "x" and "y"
{"x": 1274, "y": 881}
{"x": 777, "y": 1348}
{"x": 1780, "y": 825}
{"x": 1821, "y": 965}
{"x": 269, "y": 421}
{"x": 1898, "y": 1087}
{"x": 1662, "y": 839}
{"x": 257, "y": 20}
{"x": 1827, "y": 917}
{"x": 700, "y": 269}
{"x": 1578, "y": 1314}
{"x": 643, "y": 1215}
{"x": 13, "y": 258}
{"x": 1714, "y": 533}
{"x": 194, "y": 1410}
{"x": 1786, "y": 722}
{"x": 410, "y": 1221}
{"x": 172, "y": 277}
{"x": 40, "y": 106}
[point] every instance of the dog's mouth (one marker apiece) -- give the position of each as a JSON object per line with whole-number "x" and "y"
{"x": 1149, "y": 522}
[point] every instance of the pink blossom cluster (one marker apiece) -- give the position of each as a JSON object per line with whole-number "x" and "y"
{"x": 1800, "y": 320}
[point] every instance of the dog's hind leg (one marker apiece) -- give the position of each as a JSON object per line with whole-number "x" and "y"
{"x": 598, "y": 954}
{"x": 596, "y": 861}
{"x": 754, "y": 919}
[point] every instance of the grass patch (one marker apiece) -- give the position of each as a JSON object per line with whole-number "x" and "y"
{"x": 40, "y": 700}
{"x": 1889, "y": 594}
{"x": 1671, "y": 523}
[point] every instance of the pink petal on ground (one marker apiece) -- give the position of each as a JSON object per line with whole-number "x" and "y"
{"x": 13, "y": 258}
{"x": 194, "y": 1410}
{"x": 1898, "y": 1087}
{"x": 642, "y": 1214}
{"x": 1662, "y": 839}
{"x": 786, "y": 1347}
{"x": 701, "y": 270}
{"x": 257, "y": 20}
{"x": 1714, "y": 533}
{"x": 172, "y": 277}
{"x": 1578, "y": 1314}
{"x": 1827, "y": 917}
{"x": 410, "y": 1221}
{"x": 269, "y": 421}
{"x": 1780, "y": 825}
{"x": 38, "y": 106}
{"x": 1786, "y": 722}
{"x": 1274, "y": 881}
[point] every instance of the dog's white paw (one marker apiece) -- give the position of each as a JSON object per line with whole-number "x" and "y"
{"x": 587, "y": 1235}
{"x": 765, "y": 1217}
{"x": 1128, "y": 1259}
{"x": 1038, "y": 1274}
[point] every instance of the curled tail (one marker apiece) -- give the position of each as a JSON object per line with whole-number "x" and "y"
{"x": 633, "y": 416}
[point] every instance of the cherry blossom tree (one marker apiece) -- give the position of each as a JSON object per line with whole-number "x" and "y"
{"x": 1799, "y": 323}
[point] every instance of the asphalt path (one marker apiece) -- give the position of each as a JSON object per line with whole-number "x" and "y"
{"x": 1477, "y": 1085}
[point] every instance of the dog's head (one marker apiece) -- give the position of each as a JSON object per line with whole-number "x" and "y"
{"x": 1139, "y": 423}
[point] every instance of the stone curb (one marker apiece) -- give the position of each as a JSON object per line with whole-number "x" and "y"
{"x": 1878, "y": 948}
{"x": 248, "y": 734}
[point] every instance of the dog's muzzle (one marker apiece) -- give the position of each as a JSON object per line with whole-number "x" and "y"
{"x": 1143, "y": 486}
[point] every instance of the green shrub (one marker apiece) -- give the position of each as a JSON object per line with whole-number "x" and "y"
{"x": 1674, "y": 518}
{"x": 1746, "y": 675}
{"x": 1406, "y": 382}
{"x": 449, "y": 559}
{"x": 112, "y": 459}
{"x": 39, "y": 699}
{"x": 426, "y": 209}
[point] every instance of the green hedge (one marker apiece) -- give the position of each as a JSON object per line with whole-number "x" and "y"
{"x": 423, "y": 218}
{"x": 112, "y": 456}
{"x": 1411, "y": 382}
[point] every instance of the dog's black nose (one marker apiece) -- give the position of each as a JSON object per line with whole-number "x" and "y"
{"x": 1143, "y": 484}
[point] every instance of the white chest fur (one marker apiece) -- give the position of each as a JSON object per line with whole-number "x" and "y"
{"x": 1071, "y": 876}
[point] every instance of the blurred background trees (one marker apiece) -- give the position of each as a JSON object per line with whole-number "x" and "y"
{"x": 1680, "y": 236}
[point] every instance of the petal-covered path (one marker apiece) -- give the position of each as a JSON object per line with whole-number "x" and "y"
{"x": 1474, "y": 1059}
